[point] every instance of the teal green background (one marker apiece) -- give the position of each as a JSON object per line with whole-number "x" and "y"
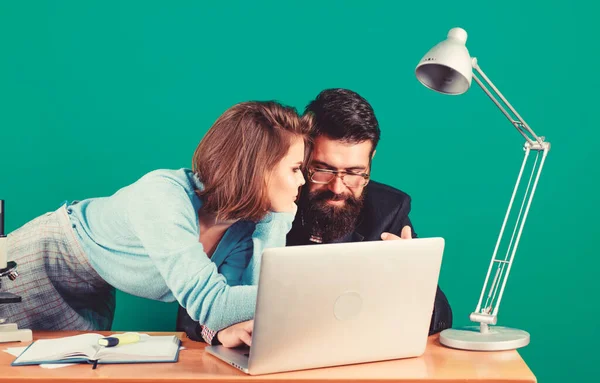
{"x": 94, "y": 94}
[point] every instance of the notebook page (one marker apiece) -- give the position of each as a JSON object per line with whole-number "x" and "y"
{"x": 84, "y": 345}
{"x": 148, "y": 348}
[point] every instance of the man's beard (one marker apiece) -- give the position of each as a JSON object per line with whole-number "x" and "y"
{"x": 330, "y": 222}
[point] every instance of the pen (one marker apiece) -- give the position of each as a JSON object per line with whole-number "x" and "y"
{"x": 119, "y": 339}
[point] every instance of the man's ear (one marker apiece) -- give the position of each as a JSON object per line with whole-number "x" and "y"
{"x": 373, "y": 155}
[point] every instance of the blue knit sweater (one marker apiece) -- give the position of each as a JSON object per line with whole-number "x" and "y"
{"x": 144, "y": 240}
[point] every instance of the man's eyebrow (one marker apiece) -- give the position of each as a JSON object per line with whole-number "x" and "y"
{"x": 356, "y": 168}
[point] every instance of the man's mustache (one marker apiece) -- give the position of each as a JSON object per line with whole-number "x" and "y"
{"x": 328, "y": 195}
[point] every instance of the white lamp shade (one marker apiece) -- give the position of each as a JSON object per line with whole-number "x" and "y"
{"x": 447, "y": 67}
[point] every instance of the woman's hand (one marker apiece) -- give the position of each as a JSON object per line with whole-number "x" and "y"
{"x": 237, "y": 334}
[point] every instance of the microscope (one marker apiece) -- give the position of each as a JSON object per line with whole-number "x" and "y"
{"x": 9, "y": 332}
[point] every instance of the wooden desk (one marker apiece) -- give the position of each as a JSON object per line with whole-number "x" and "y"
{"x": 439, "y": 364}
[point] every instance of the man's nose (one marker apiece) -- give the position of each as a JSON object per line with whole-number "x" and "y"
{"x": 337, "y": 186}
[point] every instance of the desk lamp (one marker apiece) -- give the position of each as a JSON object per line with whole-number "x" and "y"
{"x": 9, "y": 332}
{"x": 448, "y": 68}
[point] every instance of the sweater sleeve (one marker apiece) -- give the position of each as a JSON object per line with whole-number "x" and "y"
{"x": 161, "y": 215}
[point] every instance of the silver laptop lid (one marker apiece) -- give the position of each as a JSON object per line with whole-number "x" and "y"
{"x": 334, "y": 304}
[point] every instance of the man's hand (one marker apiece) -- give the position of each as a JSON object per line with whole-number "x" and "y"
{"x": 237, "y": 334}
{"x": 405, "y": 234}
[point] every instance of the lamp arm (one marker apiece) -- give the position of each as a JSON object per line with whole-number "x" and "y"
{"x": 486, "y": 312}
{"x": 517, "y": 121}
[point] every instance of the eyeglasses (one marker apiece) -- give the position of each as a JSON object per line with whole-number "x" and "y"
{"x": 325, "y": 176}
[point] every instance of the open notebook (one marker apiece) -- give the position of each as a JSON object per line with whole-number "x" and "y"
{"x": 85, "y": 349}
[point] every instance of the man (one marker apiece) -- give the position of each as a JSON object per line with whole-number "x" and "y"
{"x": 339, "y": 202}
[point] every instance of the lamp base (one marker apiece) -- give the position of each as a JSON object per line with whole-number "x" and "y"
{"x": 493, "y": 338}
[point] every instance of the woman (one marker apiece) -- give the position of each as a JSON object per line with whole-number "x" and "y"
{"x": 164, "y": 236}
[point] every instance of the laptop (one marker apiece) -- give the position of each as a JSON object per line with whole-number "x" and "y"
{"x": 338, "y": 304}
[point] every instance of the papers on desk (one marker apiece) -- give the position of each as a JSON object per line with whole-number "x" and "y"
{"x": 16, "y": 351}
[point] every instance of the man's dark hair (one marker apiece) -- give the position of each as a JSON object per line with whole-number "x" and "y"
{"x": 344, "y": 115}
